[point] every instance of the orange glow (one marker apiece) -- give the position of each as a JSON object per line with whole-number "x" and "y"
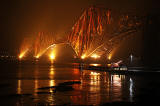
{"x": 110, "y": 56}
{"x": 95, "y": 64}
{"x": 22, "y": 54}
{"x": 109, "y": 65}
{"x": 19, "y": 90}
{"x": 42, "y": 43}
{"x": 95, "y": 56}
{"x": 83, "y": 56}
{"x": 44, "y": 51}
{"x": 35, "y": 87}
{"x": 83, "y": 35}
{"x": 51, "y": 72}
{"x": 51, "y": 83}
{"x": 25, "y": 47}
{"x": 52, "y": 56}
{"x": 94, "y": 73}
{"x": 37, "y": 56}
{"x": 76, "y": 71}
{"x": 52, "y": 53}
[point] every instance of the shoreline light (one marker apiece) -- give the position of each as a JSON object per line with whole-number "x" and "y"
{"x": 37, "y": 56}
{"x": 110, "y": 56}
{"x": 52, "y": 56}
{"x": 22, "y": 54}
{"x": 83, "y": 56}
{"x": 95, "y": 56}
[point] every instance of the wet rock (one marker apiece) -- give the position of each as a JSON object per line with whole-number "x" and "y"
{"x": 63, "y": 88}
{"x": 69, "y": 83}
{"x": 56, "y": 88}
{"x": 44, "y": 88}
{"x": 43, "y": 92}
{"x": 66, "y": 86}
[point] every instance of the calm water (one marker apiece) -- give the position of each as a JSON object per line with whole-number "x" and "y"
{"x": 96, "y": 87}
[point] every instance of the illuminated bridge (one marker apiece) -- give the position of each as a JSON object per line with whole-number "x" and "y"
{"x": 94, "y": 34}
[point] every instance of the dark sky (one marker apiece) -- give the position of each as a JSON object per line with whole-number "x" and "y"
{"x": 18, "y": 17}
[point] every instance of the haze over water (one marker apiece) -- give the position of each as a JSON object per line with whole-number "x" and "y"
{"x": 19, "y": 86}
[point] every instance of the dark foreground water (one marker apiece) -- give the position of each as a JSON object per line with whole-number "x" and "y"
{"x": 19, "y": 86}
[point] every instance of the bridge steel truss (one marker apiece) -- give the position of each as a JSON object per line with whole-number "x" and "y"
{"x": 92, "y": 32}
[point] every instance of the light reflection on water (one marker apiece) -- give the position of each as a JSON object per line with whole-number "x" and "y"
{"x": 19, "y": 87}
{"x": 96, "y": 87}
{"x": 131, "y": 90}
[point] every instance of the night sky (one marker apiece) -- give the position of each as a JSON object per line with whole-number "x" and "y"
{"x": 18, "y": 17}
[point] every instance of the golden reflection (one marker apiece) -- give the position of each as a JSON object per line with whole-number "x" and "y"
{"x": 94, "y": 73}
{"x": 36, "y": 74}
{"x": 103, "y": 84}
{"x": 95, "y": 65}
{"x": 36, "y": 86}
{"x": 51, "y": 100}
{"x": 51, "y": 83}
{"x": 95, "y": 56}
{"x": 76, "y": 71}
{"x": 51, "y": 72}
{"x": 95, "y": 81}
{"x": 19, "y": 89}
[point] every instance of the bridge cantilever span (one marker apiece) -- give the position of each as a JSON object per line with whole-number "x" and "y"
{"x": 96, "y": 32}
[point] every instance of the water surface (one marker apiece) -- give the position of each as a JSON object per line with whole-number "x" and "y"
{"x": 19, "y": 86}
